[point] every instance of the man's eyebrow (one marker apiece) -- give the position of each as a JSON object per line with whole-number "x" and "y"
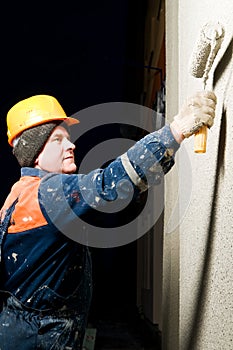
{"x": 60, "y": 134}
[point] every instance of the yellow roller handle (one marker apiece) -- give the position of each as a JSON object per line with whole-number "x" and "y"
{"x": 200, "y": 140}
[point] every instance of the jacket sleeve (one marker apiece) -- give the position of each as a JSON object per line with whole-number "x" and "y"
{"x": 142, "y": 166}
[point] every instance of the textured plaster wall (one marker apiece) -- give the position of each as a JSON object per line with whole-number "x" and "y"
{"x": 198, "y": 239}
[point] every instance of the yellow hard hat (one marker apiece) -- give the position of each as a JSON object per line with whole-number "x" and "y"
{"x": 32, "y": 111}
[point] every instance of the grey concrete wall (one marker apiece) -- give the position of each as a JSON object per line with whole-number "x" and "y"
{"x": 198, "y": 237}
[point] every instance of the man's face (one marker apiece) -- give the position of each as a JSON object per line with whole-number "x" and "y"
{"x": 58, "y": 153}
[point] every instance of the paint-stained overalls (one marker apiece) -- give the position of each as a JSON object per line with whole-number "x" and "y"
{"x": 45, "y": 281}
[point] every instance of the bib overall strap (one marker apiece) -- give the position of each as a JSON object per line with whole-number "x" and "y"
{"x": 5, "y": 223}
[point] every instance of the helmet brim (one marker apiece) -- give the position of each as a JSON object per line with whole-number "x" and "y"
{"x": 71, "y": 121}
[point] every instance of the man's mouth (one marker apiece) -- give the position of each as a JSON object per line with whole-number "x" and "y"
{"x": 69, "y": 157}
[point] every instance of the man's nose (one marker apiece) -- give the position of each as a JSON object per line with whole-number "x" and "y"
{"x": 68, "y": 144}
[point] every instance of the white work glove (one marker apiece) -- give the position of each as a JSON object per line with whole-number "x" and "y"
{"x": 198, "y": 110}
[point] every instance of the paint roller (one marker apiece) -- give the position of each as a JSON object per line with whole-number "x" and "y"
{"x": 202, "y": 59}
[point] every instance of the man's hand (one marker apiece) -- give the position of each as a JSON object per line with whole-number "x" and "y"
{"x": 198, "y": 110}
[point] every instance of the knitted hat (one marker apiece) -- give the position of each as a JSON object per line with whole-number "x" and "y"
{"x": 31, "y": 142}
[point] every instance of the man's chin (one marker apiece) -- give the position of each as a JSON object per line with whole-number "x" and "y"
{"x": 69, "y": 169}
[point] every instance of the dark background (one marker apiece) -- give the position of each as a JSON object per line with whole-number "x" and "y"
{"x": 83, "y": 53}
